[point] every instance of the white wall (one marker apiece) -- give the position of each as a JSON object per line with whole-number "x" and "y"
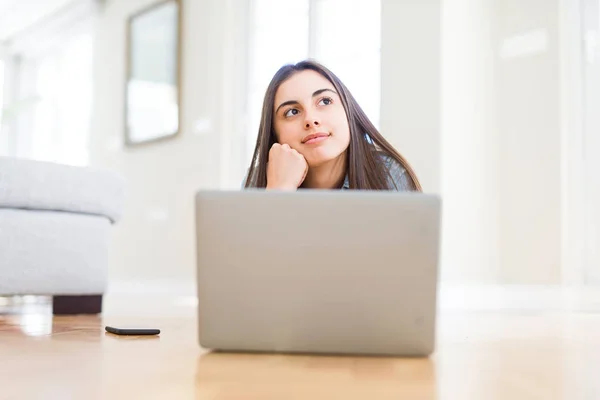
{"x": 155, "y": 240}
{"x": 481, "y": 129}
{"x": 470, "y": 143}
{"x": 572, "y": 141}
{"x": 438, "y": 109}
{"x": 410, "y": 84}
{"x": 591, "y": 12}
{"x": 529, "y": 131}
{"x": 495, "y": 154}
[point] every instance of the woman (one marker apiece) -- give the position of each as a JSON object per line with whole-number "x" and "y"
{"x": 314, "y": 135}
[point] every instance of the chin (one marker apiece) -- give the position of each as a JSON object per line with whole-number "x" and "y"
{"x": 319, "y": 157}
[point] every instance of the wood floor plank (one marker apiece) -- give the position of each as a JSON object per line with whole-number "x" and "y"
{"x": 489, "y": 355}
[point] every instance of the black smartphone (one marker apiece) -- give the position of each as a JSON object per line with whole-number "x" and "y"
{"x": 135, "y": 332}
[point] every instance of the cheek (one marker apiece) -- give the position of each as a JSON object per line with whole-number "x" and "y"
{"x": 286, "y": 133}
{"x": 342, "y": 129}
{"x": 289, "y": 132}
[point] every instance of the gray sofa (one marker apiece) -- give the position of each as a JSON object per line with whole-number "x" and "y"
{"x": 55, "y": 223}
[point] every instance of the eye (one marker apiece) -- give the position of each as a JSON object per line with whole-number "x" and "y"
{"x": 291, "y": 112}
{"x": 326, "y": 101}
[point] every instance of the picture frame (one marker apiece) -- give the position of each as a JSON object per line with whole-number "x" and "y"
{"x": 153, "y": 74}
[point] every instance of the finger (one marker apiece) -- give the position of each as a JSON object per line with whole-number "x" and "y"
{"x": 274, "y": 148}
{"x": 301, "y": 156}
{"x": 304, "y": 176}
{"x": 286, "y": 146}
{"x": 296, "y": 152}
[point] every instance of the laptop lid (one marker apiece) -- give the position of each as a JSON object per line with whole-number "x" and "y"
{"x": 317, "y": 271}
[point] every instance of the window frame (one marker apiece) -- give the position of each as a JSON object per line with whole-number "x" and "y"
{"x": 251, "y": 91}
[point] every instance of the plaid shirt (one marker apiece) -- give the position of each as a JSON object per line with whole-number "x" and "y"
{"x": 399, "y": 181}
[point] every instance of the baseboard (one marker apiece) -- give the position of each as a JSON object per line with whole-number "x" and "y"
{"x": 519, "y": 298}
{"x": 451, "y": 297}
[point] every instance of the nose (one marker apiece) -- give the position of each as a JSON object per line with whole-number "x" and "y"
{"x": 311, "y": 121}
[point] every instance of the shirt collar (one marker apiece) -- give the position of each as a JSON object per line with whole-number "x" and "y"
{"x": 346, "y": 184}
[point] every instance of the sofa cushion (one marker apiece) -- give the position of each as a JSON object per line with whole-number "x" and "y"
{"x": 41, "y": 185}
{"x": 47, "y": 252}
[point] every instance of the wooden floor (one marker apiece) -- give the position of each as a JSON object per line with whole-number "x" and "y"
{"x": 481, "y": 355}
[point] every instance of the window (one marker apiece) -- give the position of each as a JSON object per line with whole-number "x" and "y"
{"x": 591, "y": 75}
{"x": 344, "y": 35}
{"x": 5, "y": 100}
{"x": 351, "y": 47}
{"x": 270, "y": 49}
{"x": 62, "y": 113}
{"x": 51, "y": 80}
{"x": 1, "y": 93}
{"x": 53, "y": 105}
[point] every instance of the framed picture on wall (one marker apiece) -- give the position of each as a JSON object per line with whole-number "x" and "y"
{"x": 152, "y": 84}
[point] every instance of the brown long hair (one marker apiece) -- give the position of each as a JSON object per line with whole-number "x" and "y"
{"x": 365, "y": 167}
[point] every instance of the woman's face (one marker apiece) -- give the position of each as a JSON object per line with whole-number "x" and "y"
{"x": 309, "y": 116}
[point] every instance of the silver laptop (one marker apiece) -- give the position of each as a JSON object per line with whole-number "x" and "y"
{"x": 336, "y": 272}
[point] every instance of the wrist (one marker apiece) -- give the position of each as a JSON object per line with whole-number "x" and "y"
{"x": 281, "y": 187}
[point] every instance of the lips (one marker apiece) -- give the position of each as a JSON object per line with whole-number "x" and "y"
{"x": 315, "y": 137}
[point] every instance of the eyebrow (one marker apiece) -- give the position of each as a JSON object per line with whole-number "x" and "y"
{"x": 315, "y": 94}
